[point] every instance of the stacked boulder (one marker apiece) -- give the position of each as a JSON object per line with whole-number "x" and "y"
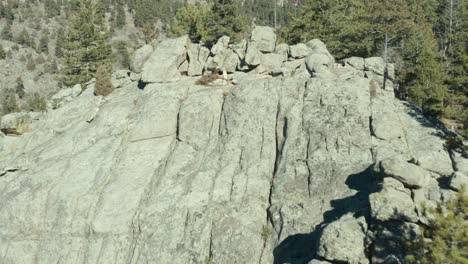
{"x": 259, "y": 54}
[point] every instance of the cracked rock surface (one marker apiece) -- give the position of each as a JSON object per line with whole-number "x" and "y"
{"x": 267, "y": 172}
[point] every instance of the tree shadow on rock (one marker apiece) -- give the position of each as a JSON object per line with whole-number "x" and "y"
{"x": 301, "y": 248}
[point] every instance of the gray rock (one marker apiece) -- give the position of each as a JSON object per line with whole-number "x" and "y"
{"x": 283, "y": 49}
{"x": 140, "y": 57}
{"x": 230, "y": 62}
{"x": 65, "y": 95}
{"x": 270, "y": 62}
{"x": 376, "y": 65}
{"x": 163, "y": 64}
{"x": 315, "y": 261}
{"x": 412, "y": 176}
{"x": 319, "y": 59}
{"x": 15, "y": 123}
{"x": 263, "y": 39}
{"x": 253, "y": 56}
{"x": 120, "y": 79}
{"x": 393, "y": 203}
{"x": 220, "y": 46}
{"x": 299, "y": 51}
{"x": 240, "y": 48}
{"x": 344, "y": 241}
{"x": 355, "y": 62}
{"x": 197, "y": 55}
{"x": 457, "y": 180}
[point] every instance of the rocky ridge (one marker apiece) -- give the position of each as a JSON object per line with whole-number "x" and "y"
{"x": 290, "y": 158}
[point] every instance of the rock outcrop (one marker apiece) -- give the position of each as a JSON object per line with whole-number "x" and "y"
{"x": 299, "y": 168}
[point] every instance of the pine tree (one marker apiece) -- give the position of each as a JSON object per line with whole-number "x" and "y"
{"x": 6, "y": 32}
{"x": 43, "y": 44}
{"x": 120, "y": 17}
{"x": 226, "y": 20}
{"x": 208, "y": 23}
{"x": 24, "y": 38}
{"x": 59, "y": 43}
{"x": 52, "y": 8}
{"x": 446, "y": 240}
{"x": 2, "y": 53}
{"x": 86, "y": 45}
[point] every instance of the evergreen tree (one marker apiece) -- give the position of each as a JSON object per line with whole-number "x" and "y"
{"x": 24, "y": 38}
{"x": 2, "y": 53}
{"x": 86, "y": 45}
{"x": 207, "y": 24}
{"x": 60, "y": 41}
{"x": 446, "y": 240}
{"x": 52, "y": 8}
{"x": 43, "y": 44}
{"x": 6, "y": 32}
{"x": 120, "y": 17}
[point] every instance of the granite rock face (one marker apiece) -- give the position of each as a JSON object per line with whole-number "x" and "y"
{"x": 270, "y": 170}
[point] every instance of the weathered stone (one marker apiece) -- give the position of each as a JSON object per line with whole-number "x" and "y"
{"x": 344, "y": 241}
{"x": 270, "y": 62}
{"x": 355, "y": 62}
{"x": 120, "y": 79}
{"x": 457, "y": 180}
{"x": 299, "y": 51}
{"x": 253, "y": 57}
{"x": 220, "y": 46}
{"x": 140, "y": 57}
{"x": 410, "y": 175}
{"x": 319, "y": 59}
{"x": 283, "y": 49}
{"x": 263, "y": 39}
{"x": 163, "y": 64}
{"x": 231, "y": 61}
{"x": 15, "y": 123}
{"x": 393, "y": 203}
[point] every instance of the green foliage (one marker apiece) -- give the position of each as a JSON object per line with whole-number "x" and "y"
{"x": 52, "y": 8}
{"x": 191, "y": 19}
{"x": 24, "y": 38}
{"x": 43, "y": 44}
{"x": 6, "y": 32}
{"x": 150, "y": 11}
{"x": 122, "y": 54}
{"x": 446, "y": 240}
{"x": 2, "y": 53}
{"x": 9, "y": 102}
{"x": 37, "y": 103}
{"x": 86, "y": 43}
{"x": 149, "y": 33}
{"x": 120, "y": 16}
{"x": 103, "y": 81}
{"x": 207, "y": 24}
{"x": 59, "y": 48}
{"x": 265, "y": 233}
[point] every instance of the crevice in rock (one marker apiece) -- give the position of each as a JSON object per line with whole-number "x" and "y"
{"x": 178, "y": 123}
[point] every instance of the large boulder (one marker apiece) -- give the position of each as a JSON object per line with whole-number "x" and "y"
{"x": 344, "y": 241}
{"x": 197, "y": 55}
{"x": 299, "y": 51}
{"x": 263, "y": 39}
{"x": 230, "y": 62}
{"x": 253, "y": 57}
{"x": 163, "y": 64}
{"x": 15, "y": 123}
{"x": 319, "y": 60}
{"x": 393, "y": 202}
{"x": 221, "y": 45}
{"x": 376, "y": 65}
{"x": 355, "y": 62}
{"x": 458, "y": 180}
{"x": 283, "y": 49}
{"x": 411, "y": 175}
{"x": 140, "y": 57}
{"x": 270, "y": 62}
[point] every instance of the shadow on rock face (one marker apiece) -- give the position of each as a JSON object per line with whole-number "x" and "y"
{"x": 301, "y": 248}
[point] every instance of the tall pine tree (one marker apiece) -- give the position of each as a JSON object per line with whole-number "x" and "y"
{"x": 86, "y": 43}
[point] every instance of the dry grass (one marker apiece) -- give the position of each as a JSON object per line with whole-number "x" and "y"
{"x": 373, "y": 86}
{"x": 207, "y": 80}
